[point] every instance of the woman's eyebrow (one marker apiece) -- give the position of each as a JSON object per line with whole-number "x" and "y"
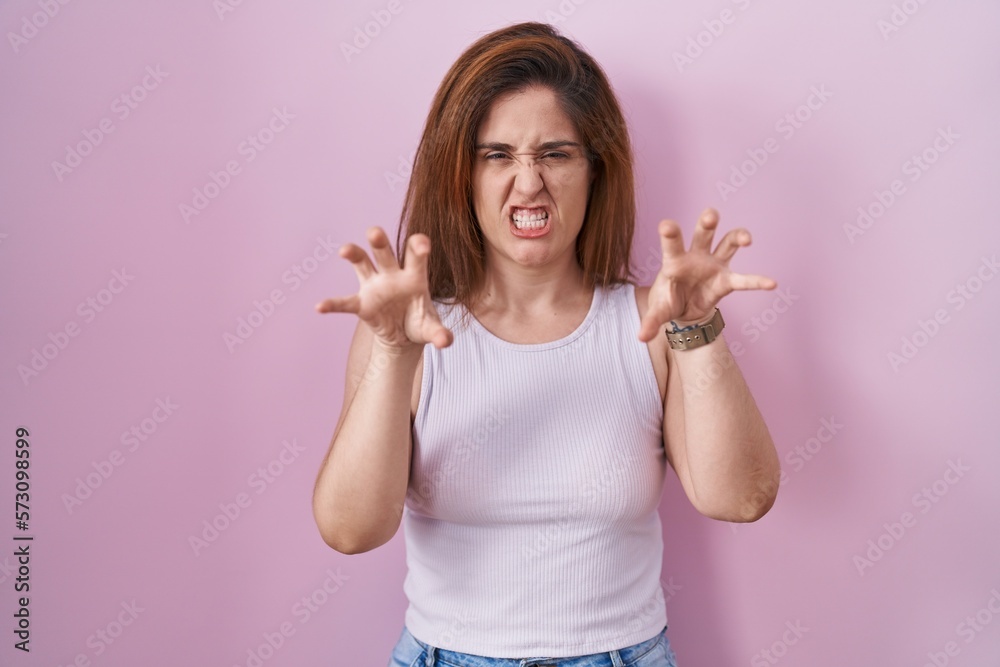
{"x": 548, "y": 145}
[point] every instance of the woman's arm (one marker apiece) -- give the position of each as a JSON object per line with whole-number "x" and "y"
{"x": 714, "y": 435}
{"x": 362, "y": 482}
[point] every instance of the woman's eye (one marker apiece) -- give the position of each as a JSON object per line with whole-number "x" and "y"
{"x": 558, "y": 156}
{"x": 496, "y": 156}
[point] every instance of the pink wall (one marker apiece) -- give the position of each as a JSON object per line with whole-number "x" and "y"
{"x": 161, "y": 96}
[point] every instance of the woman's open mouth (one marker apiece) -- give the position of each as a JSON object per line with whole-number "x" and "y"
{"x": 529, "y": 223}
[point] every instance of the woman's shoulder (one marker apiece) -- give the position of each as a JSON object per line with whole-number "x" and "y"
{"x": 657, "y": 346}
{"x": 451, "y": 312}
{"x": 640, "y": 294}
{"x": 632, "y": 296}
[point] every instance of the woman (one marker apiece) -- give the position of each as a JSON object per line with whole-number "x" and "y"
{"x": 509, "y": 386}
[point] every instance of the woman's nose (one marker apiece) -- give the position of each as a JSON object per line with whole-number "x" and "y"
{"x": 528, "y": 179}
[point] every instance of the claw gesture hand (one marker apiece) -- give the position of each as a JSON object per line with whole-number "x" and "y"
{"x": 394, "y": 301}
{"x": 690, "y": 284}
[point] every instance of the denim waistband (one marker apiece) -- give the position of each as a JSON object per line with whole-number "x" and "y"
{"x": 439, "y": 657}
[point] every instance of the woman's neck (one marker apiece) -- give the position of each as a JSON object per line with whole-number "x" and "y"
{"x": 529, "y": 292}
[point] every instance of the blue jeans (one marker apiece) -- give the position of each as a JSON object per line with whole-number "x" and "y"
{"x": 654, "y": 652}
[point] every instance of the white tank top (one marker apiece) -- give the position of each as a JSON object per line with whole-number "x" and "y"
{"x": 531, "y": 520}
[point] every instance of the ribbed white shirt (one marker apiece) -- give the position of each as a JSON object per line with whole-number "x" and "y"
{"x": 531, "y": 522}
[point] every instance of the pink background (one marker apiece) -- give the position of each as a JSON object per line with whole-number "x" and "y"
{"x": 338, "y": 166}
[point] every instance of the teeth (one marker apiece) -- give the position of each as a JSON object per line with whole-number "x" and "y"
{"x": 529, "y": 221}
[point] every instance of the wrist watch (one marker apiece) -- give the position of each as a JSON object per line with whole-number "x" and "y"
{"x": 696, "y": 335}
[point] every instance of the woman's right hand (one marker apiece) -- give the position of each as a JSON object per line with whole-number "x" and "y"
{"x": 394, "y": 302}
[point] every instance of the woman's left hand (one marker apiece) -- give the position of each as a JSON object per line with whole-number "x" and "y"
{"x": 690, "y": 284}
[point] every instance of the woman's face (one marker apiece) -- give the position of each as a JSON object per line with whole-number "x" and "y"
{"x": 530, "y": 181}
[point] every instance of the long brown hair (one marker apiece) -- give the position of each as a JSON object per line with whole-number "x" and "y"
{"x": 439, "y": 197}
